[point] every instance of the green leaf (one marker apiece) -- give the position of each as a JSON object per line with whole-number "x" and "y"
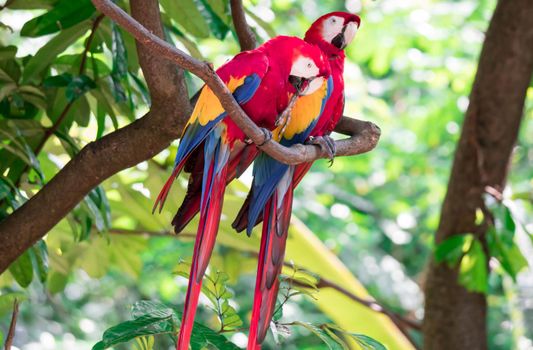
{"x": 78, "y": 86}
{"x": 61, "y": 80}
{"x": 8, "y": 52}
{"x": 188, "y": 16}
{"x": 203, "y": 336}
{"x": 120, "y": 64}
{"x": 22, "y": 269}
{"x": 56, "y": 282}
{"x": 452, "y": 249}
{"x": 331, "y": 343}
{"x": 32, "y": 4}
{"x": 473, "y": 271}
{"x": 7, "y": 300}
{"x": 65, "y": 14}
{"x": 510, "y": 256}
{"x": 143, "y": 325}
{"x": 48, "y": 53}
{"x": 40, "y": 253}
{"x": 216, "y": 24}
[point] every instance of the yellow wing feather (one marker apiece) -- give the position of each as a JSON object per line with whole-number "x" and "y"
{"x": 208, "y": 106}
{"x": 306, "y": 109}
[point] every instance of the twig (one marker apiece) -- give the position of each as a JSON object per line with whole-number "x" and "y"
{"x": 12, "y": 326}
{"x": 296, "y": 154}
{"x": 88, "y": 43}
{"x": 246, "y": 36}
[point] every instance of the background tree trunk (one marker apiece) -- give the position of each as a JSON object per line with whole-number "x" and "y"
{"x": 455, "y": 318}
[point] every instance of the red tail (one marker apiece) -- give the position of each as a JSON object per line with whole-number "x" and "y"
{"x": 205, "y": 240}
{"x": 270, "y": 263}
{"x": 240, "y": 159}
{"x": 162, "y": 197}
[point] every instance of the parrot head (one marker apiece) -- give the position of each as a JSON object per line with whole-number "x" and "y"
{"x": 309, "y": 69}
{"x": 336, "y": 29}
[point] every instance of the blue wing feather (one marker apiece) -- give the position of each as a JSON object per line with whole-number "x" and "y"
{"x": 268, "y": 172}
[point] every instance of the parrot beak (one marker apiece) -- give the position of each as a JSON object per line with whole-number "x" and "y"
{"x": 346, "y": 36}
{"x": 339, "y": 41}
{"x": 297, "y": 82}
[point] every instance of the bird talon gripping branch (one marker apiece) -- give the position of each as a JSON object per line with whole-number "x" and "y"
{"x": 267, "y": 136}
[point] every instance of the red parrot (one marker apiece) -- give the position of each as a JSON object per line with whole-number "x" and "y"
{"x": 274, "y": 182}
{"x": 331, "y": 33}
{"x": 262, "y": 81}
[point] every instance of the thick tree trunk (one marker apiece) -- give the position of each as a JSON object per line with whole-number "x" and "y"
{"x": 455, "y": 318}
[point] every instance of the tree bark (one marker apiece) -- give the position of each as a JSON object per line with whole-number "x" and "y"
{"x": 454, "y": 317}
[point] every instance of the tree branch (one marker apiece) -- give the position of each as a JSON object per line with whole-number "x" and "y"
{"x": 245, "y": 34}
{"x": 289, "y": 155}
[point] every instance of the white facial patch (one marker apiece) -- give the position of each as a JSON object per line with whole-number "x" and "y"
{"x": 304, "y": 67}
{"x": 313, "y": 86}
{"x": 332, "y": 27}
{"x": 349, "y": 33}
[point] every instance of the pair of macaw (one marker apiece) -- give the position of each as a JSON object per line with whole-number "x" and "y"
{"x": 285, "y": 70}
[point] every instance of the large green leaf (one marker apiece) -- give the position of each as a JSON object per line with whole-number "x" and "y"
{"x": 186, "y": 13}
{"x": 65, "y": 14}
{"x": 452, "y": 249}
{"x": 22, "y": 269}
{"x": 48, "y": 53}
{"x": 473, "y": 271}
{"x": 147, "y": 324}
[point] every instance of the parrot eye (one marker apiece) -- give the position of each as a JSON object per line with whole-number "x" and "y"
{"x": 309, "y": 65}
{"x": 333, "y": 20}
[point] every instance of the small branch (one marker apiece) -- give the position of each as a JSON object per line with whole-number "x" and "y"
{"x": 88, "y": 43}
{"x": 365, "y": 141}
{"x": 246, "y": 36}
{"x": 12, "y": 326}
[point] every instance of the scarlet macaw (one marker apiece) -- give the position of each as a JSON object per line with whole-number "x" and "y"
{"x": 331, "y": 33}
{"x": 262, "y": 81}
{"x": 272, "y": 188}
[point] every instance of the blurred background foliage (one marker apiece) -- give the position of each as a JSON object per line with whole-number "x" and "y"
{"x": 409, "y": 70}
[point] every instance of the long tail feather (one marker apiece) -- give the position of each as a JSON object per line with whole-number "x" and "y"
{"x": 162, "y": 197}
{"x": 270, "y": 263}
{"x": 240, "y": 160}
{"x": 214, "y": 182}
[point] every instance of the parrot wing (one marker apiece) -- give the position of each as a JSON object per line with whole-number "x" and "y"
{"x": 242, "y": 75}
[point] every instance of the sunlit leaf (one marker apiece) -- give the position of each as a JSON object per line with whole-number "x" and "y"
{"x": 186, "y": 13}
{"x": 22, "y": 269}
{"x": 64, "y": 14}
{"x": 52, "y": 49}
{"x": 473, "y": 271}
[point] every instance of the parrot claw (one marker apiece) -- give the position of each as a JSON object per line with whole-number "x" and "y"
{"x": 268, "y": 136}
{"x": 326, "y": 143}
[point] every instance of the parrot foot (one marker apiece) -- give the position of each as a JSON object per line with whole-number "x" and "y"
{"x": 268, "y": 136}
{"x": 326, "y": 143}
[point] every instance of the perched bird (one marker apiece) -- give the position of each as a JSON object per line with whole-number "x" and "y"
{"x": 272, "y": 188}
{"x": 331, "y": 32}
{"x": 263, "y": 82}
